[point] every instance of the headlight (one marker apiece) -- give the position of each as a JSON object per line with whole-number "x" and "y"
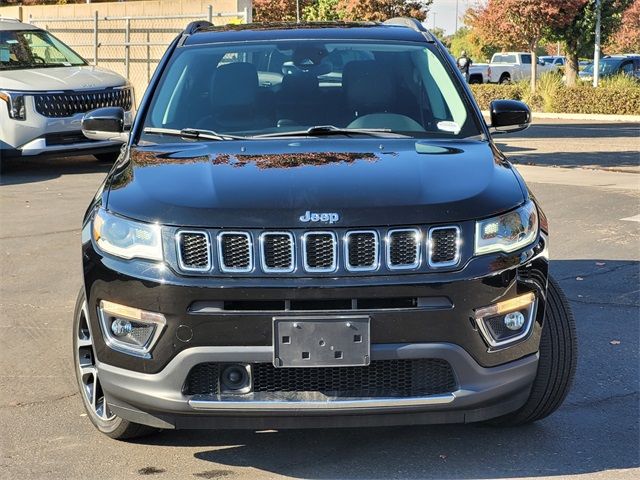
{"x": 15, "y": 104}
{"x": 125, "y": 238}
{"x": 508, "y": 232}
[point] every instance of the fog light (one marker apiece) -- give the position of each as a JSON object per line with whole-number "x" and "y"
{"x": 130, "y": 330}
{"x": 514, "y": 320}
{"x": 121, "y": 327}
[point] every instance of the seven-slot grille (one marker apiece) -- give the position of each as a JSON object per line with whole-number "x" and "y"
{"x": 277, "y": 252}
{"x": 194, "y": 251}
{"x": 444, "y": 246}
{"x": 235, "y": 252}
{"x": 382, "y": 378}
{"x": 67, "y": 104}
{"x": 319, "y": 251}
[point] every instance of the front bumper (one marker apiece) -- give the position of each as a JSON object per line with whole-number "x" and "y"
{"x": 42, "y": 136}
{"x": 156, "y": 399}
{"x": 490, "y": 382}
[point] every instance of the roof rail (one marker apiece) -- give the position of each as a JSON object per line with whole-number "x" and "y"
{"x": 193, "y": 27}
{"x": 406, "y": 22}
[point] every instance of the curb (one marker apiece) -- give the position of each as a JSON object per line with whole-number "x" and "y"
{"x": 581, "y": 116}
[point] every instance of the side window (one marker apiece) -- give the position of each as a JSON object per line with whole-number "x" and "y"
{"x": 526, "y": 59}
{"x": 627, "y": 68}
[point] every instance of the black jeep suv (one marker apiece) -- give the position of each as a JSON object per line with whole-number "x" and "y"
{"x": 310, "y": 226}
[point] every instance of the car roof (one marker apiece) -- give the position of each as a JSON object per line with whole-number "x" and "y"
{"x": 11, "y": 24}
{"x": 307, "y": 31}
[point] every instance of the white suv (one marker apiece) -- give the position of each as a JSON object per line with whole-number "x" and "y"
{"x": 45, "y": 89}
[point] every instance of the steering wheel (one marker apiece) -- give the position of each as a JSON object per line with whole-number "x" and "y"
{"x": 38, "y": 59}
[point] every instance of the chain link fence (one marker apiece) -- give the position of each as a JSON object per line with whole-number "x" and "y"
{"x": 131, "y": 46}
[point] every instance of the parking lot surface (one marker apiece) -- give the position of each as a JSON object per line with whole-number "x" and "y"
{"x": 595, "y": 224}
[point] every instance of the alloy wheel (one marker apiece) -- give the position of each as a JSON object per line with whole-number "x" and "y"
{"x": 87, "y": 369}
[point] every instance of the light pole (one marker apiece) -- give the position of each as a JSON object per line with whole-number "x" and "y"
{"x": 596, "y": 53}
{"x": 456, "y": 18}
{"x": 434, "y": 20}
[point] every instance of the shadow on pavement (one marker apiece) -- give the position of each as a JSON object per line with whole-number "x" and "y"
{"x": 30, "y": 170}
{"x": 596, "y": 430}
{"x": 569, "y": 129}
{"x": 604, "y": 159}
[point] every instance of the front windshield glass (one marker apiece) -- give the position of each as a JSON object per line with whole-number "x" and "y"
{"x": 607, "y": 66}
{"x": 34, "y": 49}
{"x": 268, "y": 89}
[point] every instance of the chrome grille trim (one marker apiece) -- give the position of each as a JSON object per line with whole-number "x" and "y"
{"x": 376, "y": 248}
{"x": 334, "y": 265}
{"x": 263, "y": 255}
{"x": 178, "y": 240}
{"x": 223, "y": 267}
{"x": 456, "y": 258}
{"x": 406, "y": 266}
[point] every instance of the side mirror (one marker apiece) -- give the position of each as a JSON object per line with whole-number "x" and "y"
{"x": 108, "y": 123}
{"x": 509, "y": 116}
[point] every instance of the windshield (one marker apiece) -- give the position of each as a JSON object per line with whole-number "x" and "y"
{"x": 34, "y": 49}
{"x": 266, "y": 89}
{"x": 607, "y": 66}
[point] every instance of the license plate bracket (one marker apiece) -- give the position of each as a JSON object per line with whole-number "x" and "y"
{"x": 321, "y": 341}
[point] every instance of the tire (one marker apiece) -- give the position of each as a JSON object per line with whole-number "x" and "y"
{"x": 475, "y": 79}
{"x": 89, "y": 384}
{"x": 505, "y": 79}
{"x": 557, "y": 364}
{"x": 107, "y": 157}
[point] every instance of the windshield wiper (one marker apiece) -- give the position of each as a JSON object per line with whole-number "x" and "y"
{"x": 325, "y": 130}
{"x": 193, "y": 133}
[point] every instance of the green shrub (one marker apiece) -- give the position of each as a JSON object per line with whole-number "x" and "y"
{"x": 615, "y": 96}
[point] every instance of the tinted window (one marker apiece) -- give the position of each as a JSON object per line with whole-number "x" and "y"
{"x": 526, "y": 59}
{"x": 254, "y": 89}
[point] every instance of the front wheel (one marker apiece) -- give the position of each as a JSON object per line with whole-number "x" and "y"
{"x": 505, "y": 79}
{"x": 557, "y": 364}
{"x": 93, "y": 398}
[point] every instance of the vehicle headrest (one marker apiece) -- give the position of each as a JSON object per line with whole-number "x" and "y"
{"x": 235, "y": 85}
{"x": 368, "y": 86}
{"x": 301, "y": 85}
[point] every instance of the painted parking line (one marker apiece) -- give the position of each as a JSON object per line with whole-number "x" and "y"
{"x": 635, "y": 218}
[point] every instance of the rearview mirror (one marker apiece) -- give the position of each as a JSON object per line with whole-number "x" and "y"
{"x": 108, "y": 123}
{"x": 509, "y": 116}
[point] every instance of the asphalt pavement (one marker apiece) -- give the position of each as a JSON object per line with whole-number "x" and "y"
{"x": 595, "y": 249}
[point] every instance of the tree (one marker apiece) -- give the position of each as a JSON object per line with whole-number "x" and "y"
{"x": 322, "y": 11}
{"x": 276, "y": 10}
{"x": 468, "y": 40}
{"x": 578, "y": 35}
{"x": 523, "y": 23}
{"x": 627, "y": 38}
{"x": 381, "y": 10}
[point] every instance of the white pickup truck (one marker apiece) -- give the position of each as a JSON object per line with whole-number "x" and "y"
{"x": 509, "y": 67}
{"x": 479, "y": 73}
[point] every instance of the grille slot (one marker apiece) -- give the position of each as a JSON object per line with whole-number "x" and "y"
{"x": 382, "y": 378}
{"x": 194, "y": 252}
{"x": 444, "y": 246}
{"x": 277, "y": 252}
{"x": 403, "y": 248}
{"x": 235, "y": 252}
{"x": 56, "y": 105}
{"x": 361, "y": 250}
{"x": 320, "y": 251}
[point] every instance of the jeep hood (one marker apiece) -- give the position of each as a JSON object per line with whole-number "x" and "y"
{"x": 271, "y": 183}
{"x": 60, "y": 78}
